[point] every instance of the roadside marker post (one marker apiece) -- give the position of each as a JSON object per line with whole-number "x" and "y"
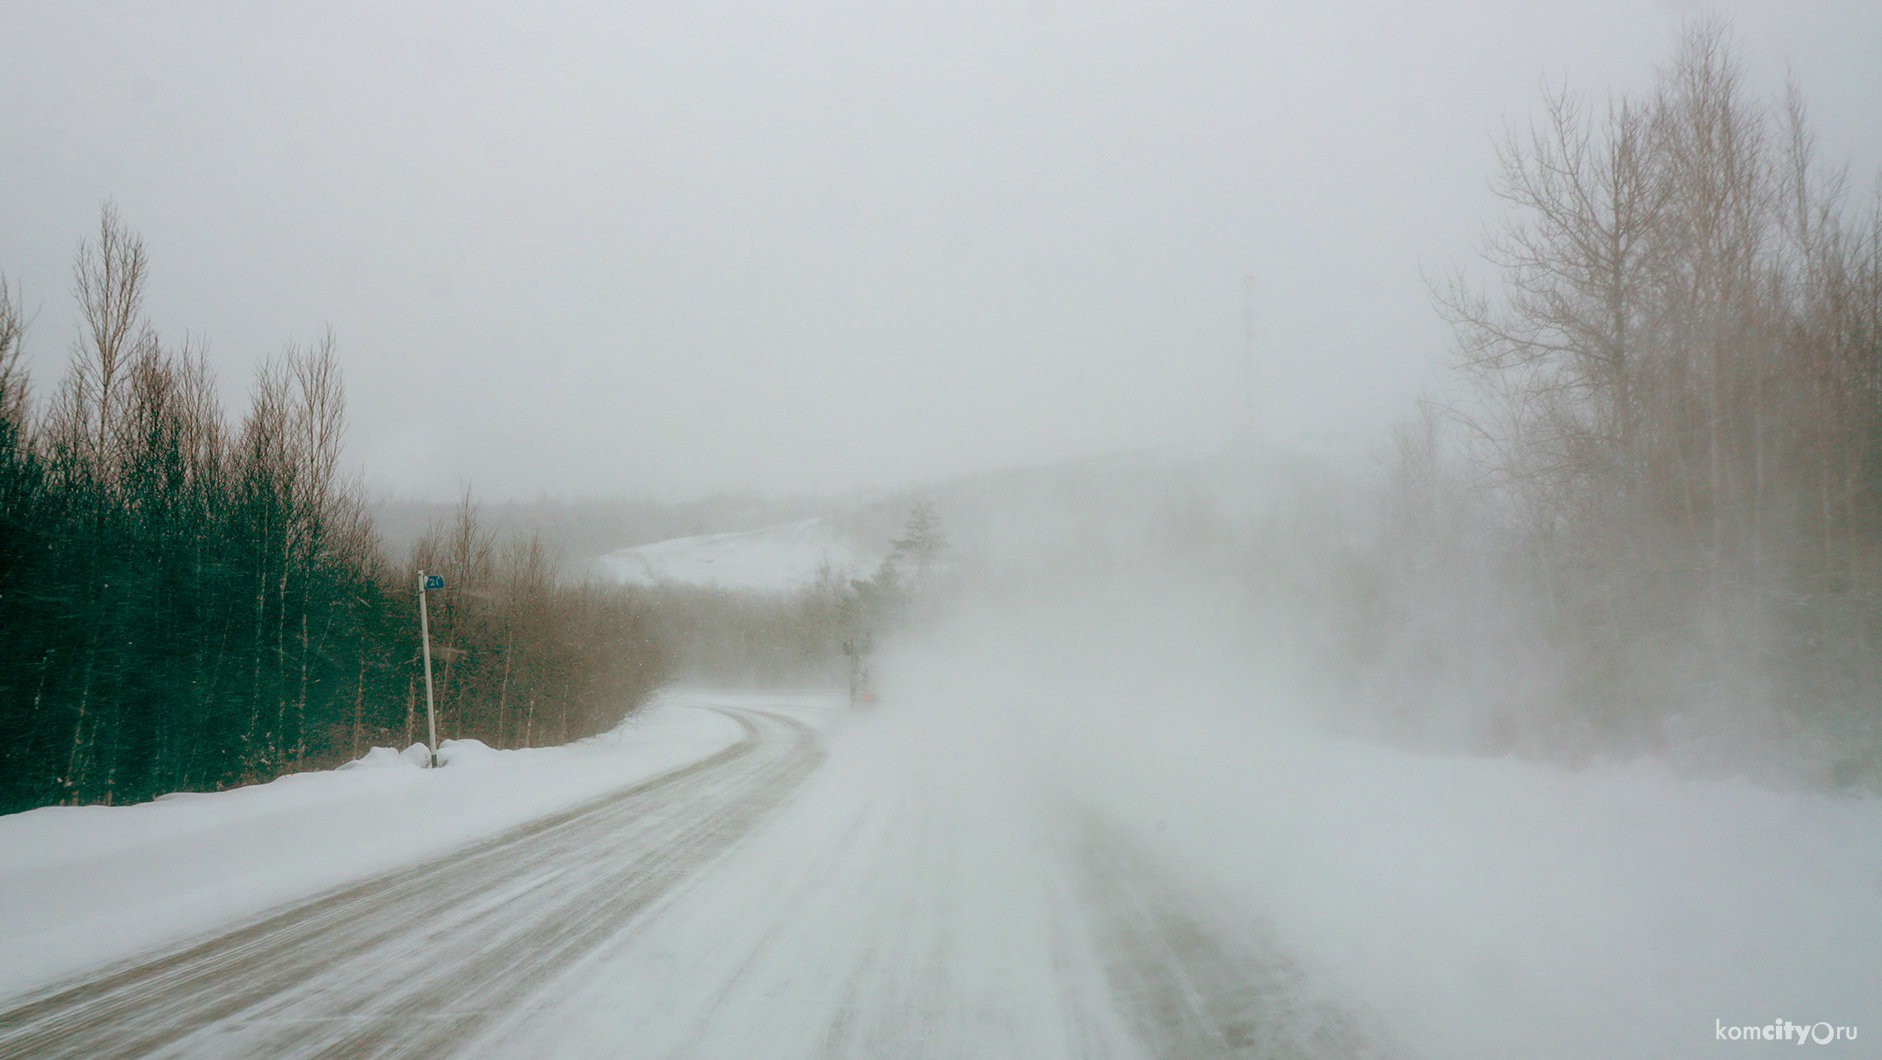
{"x": 858, "y": 650}
{"x": 425, "y": 582}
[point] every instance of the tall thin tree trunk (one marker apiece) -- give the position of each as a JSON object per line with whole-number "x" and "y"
{"x": 300, "y": 705}
{"x": 74, "y": 780}
{"x": 359, "y": 702}
{"x": 281, "y": 659}
{"x": 503, "y": 689}
{"x": 254, "y": 684}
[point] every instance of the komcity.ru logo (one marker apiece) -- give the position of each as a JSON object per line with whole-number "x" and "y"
{"x": 1784, "y": 1031}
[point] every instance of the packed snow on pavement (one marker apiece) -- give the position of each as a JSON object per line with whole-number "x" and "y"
{"x": 919, "y": 887}
{"x": 80, "y": 885}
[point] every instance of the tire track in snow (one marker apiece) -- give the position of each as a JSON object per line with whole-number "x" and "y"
{"x": 899, "y": 907}
{"x": 415, "y": 962}
{"x": 889, "y": 913}
{"x": 1192, "y": 991}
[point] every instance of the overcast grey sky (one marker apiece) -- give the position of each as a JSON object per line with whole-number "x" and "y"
{"x": 691, "y": 245}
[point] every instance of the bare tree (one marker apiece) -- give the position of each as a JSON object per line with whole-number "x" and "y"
{"x": 1672, "y": 378}
{"x": 108, "y": 280}
{"x": 13, "y": 381}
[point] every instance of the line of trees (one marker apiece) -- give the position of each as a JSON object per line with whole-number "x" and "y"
{"x": 1676, "y": 387}
{"x": 523, "y": 658}
{"x": 190, "y": 604}
{"x": 730, "y": 638}
{"x": 793, "y": 638}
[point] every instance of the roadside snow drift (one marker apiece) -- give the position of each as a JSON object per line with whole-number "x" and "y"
{"x": 1481, "y": 907}
{"x": 80, "y": 885}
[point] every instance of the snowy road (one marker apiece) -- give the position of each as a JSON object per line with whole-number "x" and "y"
{"x": 806, "y": 891}
{"x": 417, "y": 962}
{"x": 974, "y": 870}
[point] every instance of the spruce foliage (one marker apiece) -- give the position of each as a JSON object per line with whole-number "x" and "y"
{"x": 190, "y": 604}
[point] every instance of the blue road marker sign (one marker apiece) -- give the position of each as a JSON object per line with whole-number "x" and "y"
{"x": 434, "y": 581}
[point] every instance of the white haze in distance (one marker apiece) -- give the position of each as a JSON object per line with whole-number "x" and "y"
{"x": 693, "y": 246}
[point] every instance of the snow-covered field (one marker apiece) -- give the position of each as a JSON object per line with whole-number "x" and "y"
{"x": 775, "y": 559}
{"x": 1004, "y": 861}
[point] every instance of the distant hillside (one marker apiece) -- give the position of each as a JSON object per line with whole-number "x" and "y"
{"x": 1071, "y": 519}
{"x": 775, "y": 559}
{"x": 581, "y": 530}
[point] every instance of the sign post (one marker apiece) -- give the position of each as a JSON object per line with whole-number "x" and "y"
{"x": 857, "y": 648}
{"x": 425, "y": 582}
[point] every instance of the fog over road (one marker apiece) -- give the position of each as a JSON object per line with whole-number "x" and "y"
{"x": 824, "y": 886}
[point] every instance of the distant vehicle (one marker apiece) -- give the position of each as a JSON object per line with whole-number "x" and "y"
{"x": 857, "y": 648}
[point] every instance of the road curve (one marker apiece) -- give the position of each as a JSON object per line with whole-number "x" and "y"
{"x": 855, "y": 891}
{"x": 416, "y": 962}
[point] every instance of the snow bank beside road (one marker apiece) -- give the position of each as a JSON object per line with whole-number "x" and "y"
{"x": 83, "y": 885}
{"x": 1482, "y": 907}
{"x": 1493, "y": 907}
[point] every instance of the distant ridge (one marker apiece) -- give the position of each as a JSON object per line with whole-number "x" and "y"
{"x": 774, "y": 559}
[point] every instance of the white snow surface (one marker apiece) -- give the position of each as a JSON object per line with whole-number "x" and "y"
{"x": 1480, "y": 907}
{"x": 771, "y": 560}
{"x": 81, "y": 885}
{"x": 1493, "y": 908}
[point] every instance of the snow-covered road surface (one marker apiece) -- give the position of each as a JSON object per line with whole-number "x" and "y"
{"x": 417, "y": 962}
{"x": 978, "y": 868}
{"x": 812, "y": 889}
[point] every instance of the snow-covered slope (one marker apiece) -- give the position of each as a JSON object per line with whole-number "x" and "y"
{"x": 775, "y": 559}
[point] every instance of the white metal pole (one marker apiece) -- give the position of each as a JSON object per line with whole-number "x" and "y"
{"x": 424, "y": 626}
